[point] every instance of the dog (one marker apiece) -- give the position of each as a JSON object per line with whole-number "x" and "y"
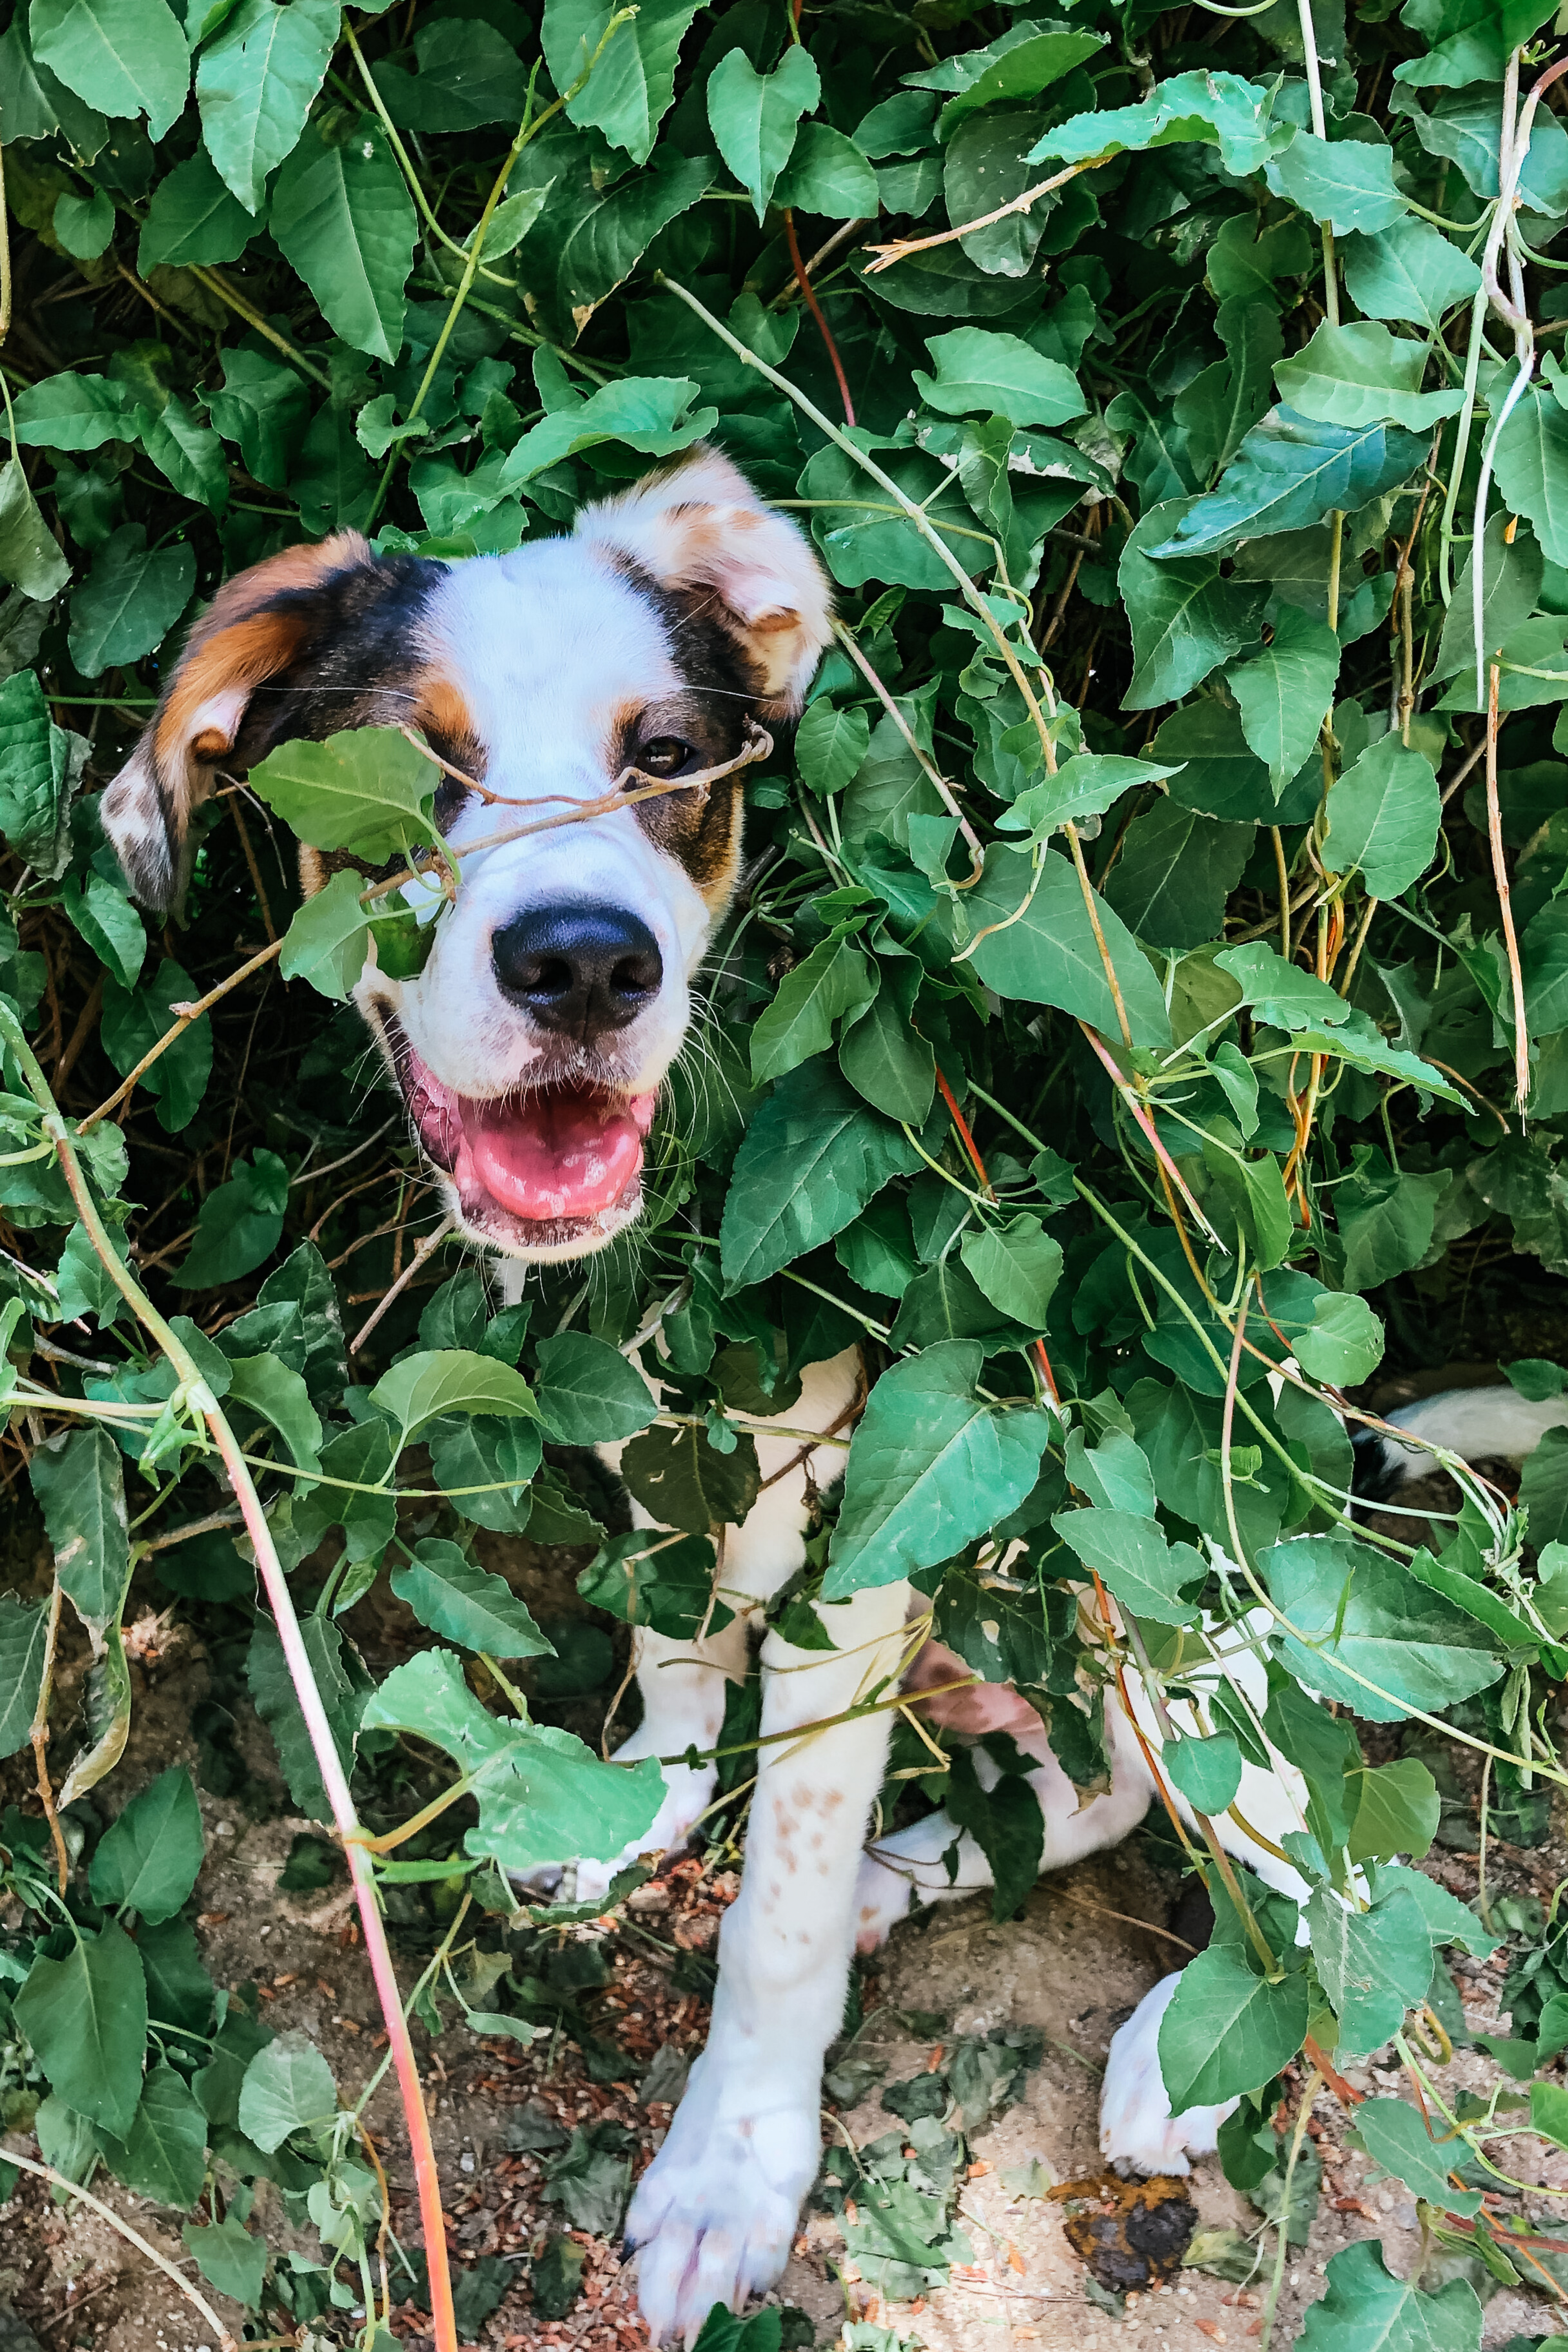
{"x": 529, "y": 1052}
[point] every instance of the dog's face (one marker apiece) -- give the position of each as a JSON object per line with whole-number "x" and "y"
{"x": 531, "y": 1048}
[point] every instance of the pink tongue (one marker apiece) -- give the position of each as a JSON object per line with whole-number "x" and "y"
{"x": 565, "y": 1155}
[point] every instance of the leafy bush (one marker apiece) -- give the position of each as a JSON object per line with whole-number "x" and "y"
{"x": 1152, "y": 968}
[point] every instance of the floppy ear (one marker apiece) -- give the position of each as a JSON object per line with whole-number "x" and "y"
{"x": 258, "y": 626}
{"x": 699, "y": 524}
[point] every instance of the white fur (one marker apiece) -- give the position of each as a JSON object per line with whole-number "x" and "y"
{"x": 1476, "y": 1423}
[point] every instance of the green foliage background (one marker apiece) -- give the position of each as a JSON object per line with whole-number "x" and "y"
{"x": 1147, "y": 798}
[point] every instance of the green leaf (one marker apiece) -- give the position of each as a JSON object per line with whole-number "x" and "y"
{"x": 469, "y": 74}
{"x": 86, "y": 2018}
{"x": 542, "y": 1796}
{"x": 1287, "y": 473}
{"x": 589, "y": 238}
{"x": 188, "y": 454}
{"x": 1020, "y": 63}
{"x": 931, "y": 1466}
{"x": 239, "y": 1224}
{"x": 1367, "y": 2309}
{"x": 1395, "y": 2137}
{"x": 77, "y": 411}
{"x": 1344, "y": 1346}
{"x": 107, "y": 922}
{"x": 684, "y": 1482}
{"x": 982, "y": 374}
{"x": 1286, "y": 692}
{"x": 830, "y": 746}
{"x": 229, "y": 2258}
{"x": 344, "y": 219}
{"x": 23, "y": 1636}
{"x": 1280, "y": 994}
{"x": 84, "y": 225}
{"x": 163, "y": 2154}
{"x": 288, "y": 2088}
{"x": 1207, "y": 1772}
{"x": 29, "y": 557}
{"x": 1175, "y": 874}
{"x": 812, "y": 1158}
{"x": 1397, "y": 1812}
{"x": 365, "y": 790}
{"x": 1511, "y": 585}
{"x": 1383, "y": 815}
{"x": 1410, "y": 271}
{"x": 1212, "y": 108}
{"x": 836, "y": 981}
{"x": 643, "y": 1579}
{"x": 1049, "y": 954}
{"x": 631, "y": 88}
{"x": 1143, "y": 1571}
{"x": 278, "y": 1393}
{"x": 650, "y": 414}
{"x": 869, "y": 539}
{"x": 329, "y": 938}
{"x": 883, "y": 1057}
{"x": 133, "y": 1022}
{"x": 272, "y": 1690}
{"x": 79, "y": 1481}
{"x": 256, "y": 78}
{"x": 827, "y": 175}
{"x": 464, "y": 1602}
{"x": 192, "y": 220}
{"x": 1530, "y": 462}
{"x": 1017, "y": 1266}
{"x": 754, "y": 116}
{"x": 432, "y": 1382}
{"x": 1352, "y": 1605}
{"x": 1227, "y": 2029}
{"x": 40, "y": 769}
{"x": 262, "y": 405}
{"x": 129, "y": 601}
{"x": 1385, "y": 1219}
{"x": 148, "y": 1858}
{"x": 1186, "y": 618}
{"x": 589, "y": 1395}
{"x": 1349, "y": 182}
{"x": 123, "y": 57}
{"x": 1084, "y": 786}
{"x": 1374, "y": 1965}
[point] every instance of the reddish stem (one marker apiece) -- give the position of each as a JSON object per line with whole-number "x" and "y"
{"x": 1046, "y": 1375}
{"x": 808, "y": 294}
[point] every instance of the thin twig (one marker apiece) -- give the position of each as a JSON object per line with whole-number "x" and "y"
{"x": 181, "y": 1023}
{"x": 431, "y": 1242}
{"x": 1505, "y": 902}
{"x": 71, "y": 2188}
{"x": 39, "y": 1736}
{"x": 886, "y": 255}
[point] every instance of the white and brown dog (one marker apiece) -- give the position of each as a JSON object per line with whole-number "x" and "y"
{"x": 531, "y": 1051}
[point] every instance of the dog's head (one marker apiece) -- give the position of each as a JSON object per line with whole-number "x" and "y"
{"x": 531, "y": 1048}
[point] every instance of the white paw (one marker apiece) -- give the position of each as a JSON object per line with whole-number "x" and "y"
{"x": 716, "y": 2212}
{"x": 882, "y": 1897}
{"x": 1138, "y": 2132}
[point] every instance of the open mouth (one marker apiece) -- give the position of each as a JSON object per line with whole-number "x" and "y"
{"x": 546, "y": 1168}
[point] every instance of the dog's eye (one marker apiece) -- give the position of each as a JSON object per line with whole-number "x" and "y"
{"x": 665, "y": 756}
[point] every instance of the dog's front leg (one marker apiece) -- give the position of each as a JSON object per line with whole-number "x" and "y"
{"x": 717, "y": 2209}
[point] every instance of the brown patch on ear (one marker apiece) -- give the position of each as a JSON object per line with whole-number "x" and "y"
{"x": 699, "y": 525}
{"x": 328, "y": 615}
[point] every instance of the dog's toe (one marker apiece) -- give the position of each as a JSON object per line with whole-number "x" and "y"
{"x": 715, "y": 2212}
{"x": 1138, "y": 2132}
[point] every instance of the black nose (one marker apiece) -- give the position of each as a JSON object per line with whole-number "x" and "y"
{"x": 580, "y": 969}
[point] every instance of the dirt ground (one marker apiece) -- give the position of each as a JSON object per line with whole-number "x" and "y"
{"x": 1088, "y": 1946}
